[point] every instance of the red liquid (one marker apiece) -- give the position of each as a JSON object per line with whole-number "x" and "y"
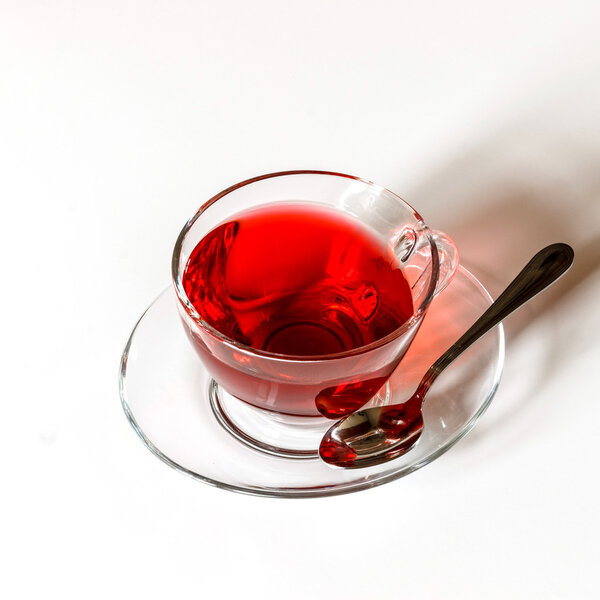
{"x": 303, "y": 280}
{"x": 297, "y": 279}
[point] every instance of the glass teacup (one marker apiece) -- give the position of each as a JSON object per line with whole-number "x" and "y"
{"x": 281, "y": 403}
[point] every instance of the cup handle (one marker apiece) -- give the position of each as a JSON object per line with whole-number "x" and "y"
{"x": 449, "y": 259}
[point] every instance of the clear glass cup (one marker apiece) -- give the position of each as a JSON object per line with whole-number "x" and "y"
{"x": 289, "y": 391}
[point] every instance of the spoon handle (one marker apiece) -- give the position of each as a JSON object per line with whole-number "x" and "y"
{"x": 542, "y": 270}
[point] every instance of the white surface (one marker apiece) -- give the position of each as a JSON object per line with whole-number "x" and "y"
{"x": 118, "y": 119}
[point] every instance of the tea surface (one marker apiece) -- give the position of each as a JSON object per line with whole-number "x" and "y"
{"x": 297, "y": 279}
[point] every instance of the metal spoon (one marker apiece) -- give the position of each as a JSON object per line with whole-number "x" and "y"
{"x": 375, "y": 435}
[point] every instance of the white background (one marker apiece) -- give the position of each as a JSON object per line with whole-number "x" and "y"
{"x": 118, "y": 119}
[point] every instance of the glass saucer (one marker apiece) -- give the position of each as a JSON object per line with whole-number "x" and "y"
{"x": 165, "y": 392}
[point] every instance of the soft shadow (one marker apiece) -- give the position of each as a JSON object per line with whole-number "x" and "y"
{"x": 501, "y": 205}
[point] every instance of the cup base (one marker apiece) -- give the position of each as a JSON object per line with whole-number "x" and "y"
{"x": 273, "y": 433}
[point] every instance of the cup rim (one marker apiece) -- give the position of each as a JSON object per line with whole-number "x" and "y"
{"x": 195, "y": 316}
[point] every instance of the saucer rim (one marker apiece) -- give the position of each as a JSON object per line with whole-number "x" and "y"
{"x": 320, "y": 491}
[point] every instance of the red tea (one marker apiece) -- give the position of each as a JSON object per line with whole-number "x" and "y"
{"x": 297, "y": 279}
{"x": 300, "y": 280}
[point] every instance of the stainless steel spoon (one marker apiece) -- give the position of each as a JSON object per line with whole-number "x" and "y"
{"x": 375, "y": 435}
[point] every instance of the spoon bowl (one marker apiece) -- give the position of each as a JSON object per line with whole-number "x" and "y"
{"x": 366, "y": 434}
